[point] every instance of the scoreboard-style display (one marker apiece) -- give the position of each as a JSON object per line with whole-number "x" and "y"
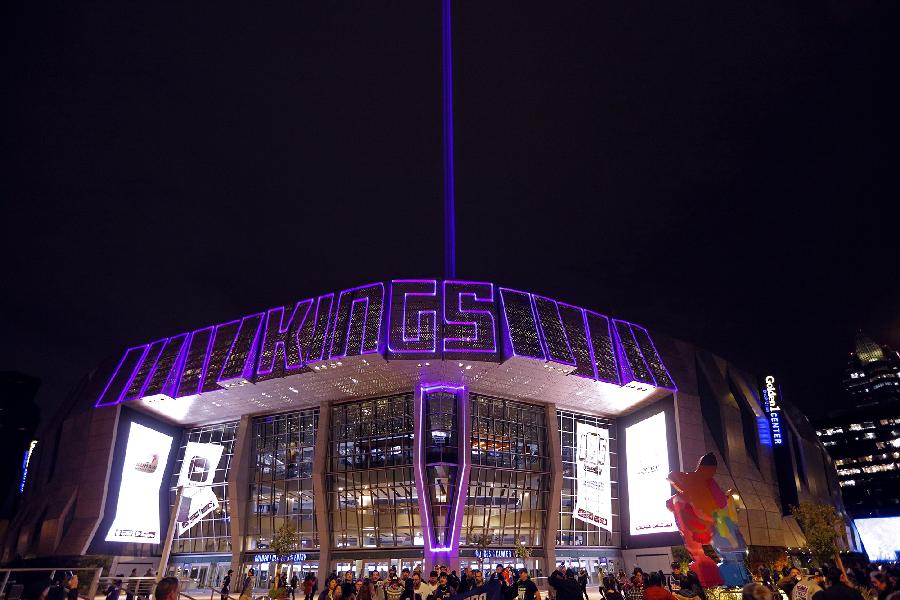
{"x": 406, "y": 319}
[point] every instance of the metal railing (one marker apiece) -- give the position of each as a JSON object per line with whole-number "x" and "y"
{"x": 11, "y": 589}
{"x": 139, "y": 587}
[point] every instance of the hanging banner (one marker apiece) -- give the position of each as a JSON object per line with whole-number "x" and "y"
{"x": 197, "y": 472}
{"x": 137, "y": 511}
{"x": 593, "y": 499}
{"x": 488, "y": 591}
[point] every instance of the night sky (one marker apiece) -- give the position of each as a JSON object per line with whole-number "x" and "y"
{"x": 723, "y": 173}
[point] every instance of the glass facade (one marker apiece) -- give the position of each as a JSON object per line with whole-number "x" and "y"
{"x": 371, "y": 486}
{"x": 572, "y": 531}
{"x": 213, "y": 532}
{"x": 370, "y": 476}
{"x": 281, "y": 482}
{"x": 510, "y": 477}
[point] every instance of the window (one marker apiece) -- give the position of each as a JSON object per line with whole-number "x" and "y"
{"x": 281, "y": 482}
{"x": 213, "y": 532}
{"x": 371, "y": 487}
{"x": 509, "y": 480}
{"x": 572, "y": 531}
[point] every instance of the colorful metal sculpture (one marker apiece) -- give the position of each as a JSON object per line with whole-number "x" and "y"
{"x": 706, "y": 515}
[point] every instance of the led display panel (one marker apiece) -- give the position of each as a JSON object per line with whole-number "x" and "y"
{"x": 881, "y": 537}
{"x": 647, "y": 454}
{"x": 593, "y": 500}
{"x": 137, "y": 511}
{"x": 197, "y": 472}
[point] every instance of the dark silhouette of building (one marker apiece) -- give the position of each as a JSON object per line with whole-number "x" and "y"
{"x": 19, "y": 417}
{"x": 864, "y": 438}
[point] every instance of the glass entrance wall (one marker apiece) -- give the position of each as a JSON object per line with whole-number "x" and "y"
{"x": 509, "y": 482}
{"x": 281, "y": 483}
{"x": 572, "y": 531}
{"x": 213, "y": 532}
{"x": 371, "y": 487}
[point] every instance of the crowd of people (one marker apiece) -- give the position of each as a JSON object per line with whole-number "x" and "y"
{"x": 870, "y": 582}
{"x": 439, "y": 584}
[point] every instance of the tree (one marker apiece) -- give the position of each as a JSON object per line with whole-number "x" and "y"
{"x": 522, "y": 551}
{"x": 284, "y": 542}
{"x": 820, "y": 525}
{"x": 481, "y": 541}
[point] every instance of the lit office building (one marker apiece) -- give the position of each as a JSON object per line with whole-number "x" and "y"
{"x": 864, "y": 439}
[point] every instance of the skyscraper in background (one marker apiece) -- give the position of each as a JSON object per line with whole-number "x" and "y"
{"x": 864, "y": 438}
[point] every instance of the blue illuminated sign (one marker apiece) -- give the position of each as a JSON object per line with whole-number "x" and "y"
{"x": 294, "y": 557}
{"x": 25, "y": 462}
{"x": 765, "y": 433}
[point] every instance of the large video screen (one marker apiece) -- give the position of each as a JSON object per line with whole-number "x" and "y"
{"x": 881, "y": 537}
{"x": 647, "y": 459}
{"x": 137, "y": 511}
{"x": 593, "y": 501}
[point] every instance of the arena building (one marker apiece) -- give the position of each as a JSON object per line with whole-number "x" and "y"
{"x": 401, "y": 423}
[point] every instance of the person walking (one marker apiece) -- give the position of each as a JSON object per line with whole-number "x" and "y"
{"x": 226, "y": 585}
{"x": 248, "y": 585}
{"x": 526, "y": 589}
{"x": 582, "y": 583}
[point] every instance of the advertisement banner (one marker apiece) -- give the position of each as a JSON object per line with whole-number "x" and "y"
{"x": 647, "y": 457}
{"x": 197, "y": 472}
{"x": 593, "y": 499}
{"x": 137, "y": 511}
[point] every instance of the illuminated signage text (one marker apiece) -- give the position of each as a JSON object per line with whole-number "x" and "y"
{"x": 406, "y": 319}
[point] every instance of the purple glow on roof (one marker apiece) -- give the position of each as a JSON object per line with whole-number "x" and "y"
{"x": 279, "y": 336}
{"x": 322, "y": 324}
{"x": 602, "y": 344}
{"x": 121, "y": 378}
{"x": 199, "y": 348}
{"x": 459, "y": 316}
{"x": 427, "y": 288}
{"x": 550, "y": 321}
{"x": 285, "y": 340}
{"x": 631, "y": 353}
{"x": 516, "y": 345}
{"x": 164, "y": 380}
{"x": 240, "y": 362}
{"x": 348, "y": 315}
{"x": 577, "y": 335}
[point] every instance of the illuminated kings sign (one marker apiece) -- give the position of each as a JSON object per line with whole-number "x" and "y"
{"x": 412, "y": 319}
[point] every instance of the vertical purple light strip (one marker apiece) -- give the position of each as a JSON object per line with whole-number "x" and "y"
{"x": 463, "y": 467}
{"x": 449, "y": 181}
